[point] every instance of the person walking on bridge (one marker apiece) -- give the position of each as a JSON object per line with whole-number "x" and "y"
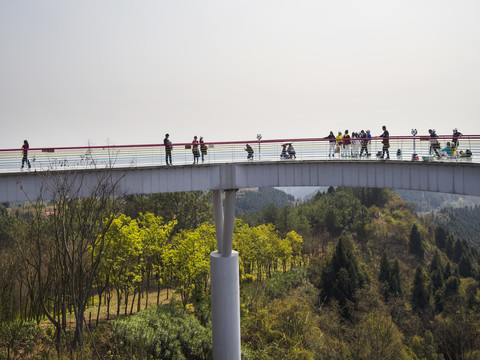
{"x": 456, "y": 135}
{"x": 195, "y": 151}
{"x": 25, "y": 148}
{"x": 203, "y": 148}
{"x": 168, "y": 149}
{"x": 347, "y": 144}
{"x": 386, "y": 142}
{"x": 249, "y": 151}
{"x": 331, "y": 141}
{"x": 434, "y": 144}
{"x": 339, "y": 144}
{"x": 364, "y": 143}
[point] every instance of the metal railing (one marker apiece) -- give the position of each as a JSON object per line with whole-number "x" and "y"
{"x": 403, "y": 148}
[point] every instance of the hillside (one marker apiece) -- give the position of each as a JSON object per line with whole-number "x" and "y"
{"x": 378, "y": 283}
{"x": 425, "y": 201}
{"x": 254, "y": 200}
{"x": 462, "y": 222}
{"x": 351, "y": 274}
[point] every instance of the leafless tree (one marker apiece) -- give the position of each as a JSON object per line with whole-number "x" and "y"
{"x": 66, "y": 241}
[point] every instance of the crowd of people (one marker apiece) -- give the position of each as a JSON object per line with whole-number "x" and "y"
{"x": 343, "y": 145}
{"x": 450, "y": 148}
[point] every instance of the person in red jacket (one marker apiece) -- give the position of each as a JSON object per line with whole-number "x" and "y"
{"x": 25, "y": 148}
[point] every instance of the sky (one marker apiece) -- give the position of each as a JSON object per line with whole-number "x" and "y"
{"x": 74, "y": 73}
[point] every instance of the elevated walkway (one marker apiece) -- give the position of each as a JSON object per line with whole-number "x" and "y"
{"x": 454, "y": 178}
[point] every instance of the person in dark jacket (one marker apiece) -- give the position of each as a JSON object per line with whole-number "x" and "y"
{"x": 203, "y": 148}
{"x": 168, "y": 149}
{"x": 331, "y": 142}
{"x": 386, "y": 142}
{"x": 249, "y": 151}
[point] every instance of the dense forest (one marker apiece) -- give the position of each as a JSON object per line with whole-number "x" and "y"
{"x": 256, "y": 200}
{"x": 463, "y": 222}
{"x": 425, "y": 202}
{"x": 351, "y": 273}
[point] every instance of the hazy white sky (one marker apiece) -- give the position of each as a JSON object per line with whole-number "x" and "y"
{"x": 126, "y": 72}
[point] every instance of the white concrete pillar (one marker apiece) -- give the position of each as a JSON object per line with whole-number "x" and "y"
{"x": 218, "y": 216}
{"x": 225, "y": 282}
{"x": 228, "y": 222}
{"x": 225, "y": 306}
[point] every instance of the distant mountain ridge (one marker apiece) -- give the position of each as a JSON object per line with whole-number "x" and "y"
{"x": 425, "y": 201}
{"x": 254, "y": 200}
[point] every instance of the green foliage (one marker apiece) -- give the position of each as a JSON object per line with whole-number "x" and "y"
{"x": 282, "y": 283}
{"x": 287, "y": 328}
{"x": 378, "y": 338}
{"x": 461, "y": 222}
{"x": 189, "y": 257}
{"x": 426, "y": 201}
{"x": 305, "y": 293}
{"x": 342, "y": 276}
{"x": 255, "y": 201}
{"x": 420, "y": 298}
{"x": 17, "y": 335}
{"x": 416, "y": 243}
{"x": 162, "y": 332}
{"x": 188, "y": 209}
{"x": 440, "y": 237}
{"x": 457, "y": 334}
{"x": 390, "y": 277}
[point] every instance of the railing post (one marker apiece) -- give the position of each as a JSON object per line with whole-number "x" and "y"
{"x": 225, "y": 283}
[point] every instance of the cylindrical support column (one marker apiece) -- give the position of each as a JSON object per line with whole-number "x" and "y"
{"x": 225, "y": 306}
{"x": 228, "y": 222}
{"x": 218, "y": 215}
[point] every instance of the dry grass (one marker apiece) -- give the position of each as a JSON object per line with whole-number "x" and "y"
{"x": 92, "y": 308}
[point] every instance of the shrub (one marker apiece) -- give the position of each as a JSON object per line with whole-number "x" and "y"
{"x": 163, "y": 332}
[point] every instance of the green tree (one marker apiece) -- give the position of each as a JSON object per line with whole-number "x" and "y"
{"x": 436, "y": 270}
{"x": 123, "y": 257}
{"x": 343, "y": 276}
{"x": 385, "y": 271}
{"x": 191, "y": 261}
{"x": 376, "y": 337}
{"x": 415, "y": 245}
{"x": 189, "y": 209}
{"x": 465, "y": 267}
{"x": 155, "y": 235}
{"x": 440, "y": 237}
{"x": 420, "y": 298}
{"x": 390, "y": 277}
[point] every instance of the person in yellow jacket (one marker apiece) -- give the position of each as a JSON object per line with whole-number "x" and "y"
{"x": 339, "y": 138}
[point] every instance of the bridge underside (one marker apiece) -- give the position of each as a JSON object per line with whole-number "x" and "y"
{"x": 439, "y": 177}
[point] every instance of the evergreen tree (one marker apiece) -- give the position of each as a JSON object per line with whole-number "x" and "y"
{"x": 449, "y": 247}
{"x": 435, "y": 270}
{"x": 395, "y": 281}
{"x": 440, "y": 237}
{"x": 385, "y": 271}
{"x": 458, "y": 251}
{"x": 448, "y": 271}
{"x": 342, "y": 277}
{"x": 436, "y": 263}
{"x": 452, "y": 286}
{"x": 420, "y": 294}
{"x": 465, "y": 267}
{"x": 415, "y": 246}
{"x": 390, "y": 277}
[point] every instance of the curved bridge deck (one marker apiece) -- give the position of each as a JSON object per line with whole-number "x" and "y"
{"x": 141, "y": 169}
{"x": 440, "y": 177}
